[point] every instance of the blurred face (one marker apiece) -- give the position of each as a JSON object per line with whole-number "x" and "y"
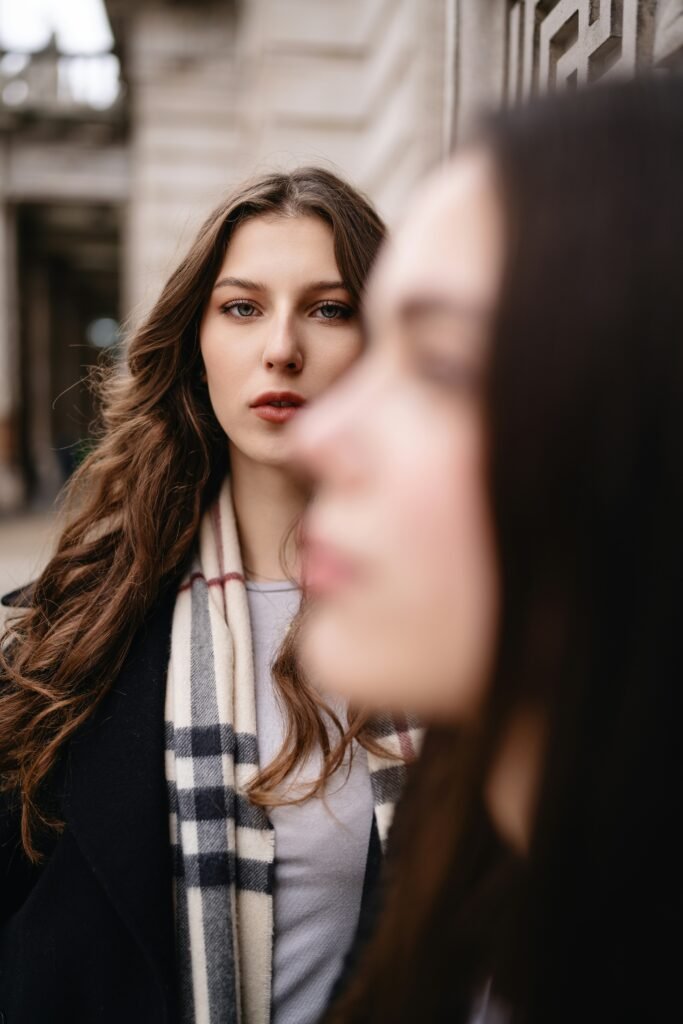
{"x": 400, "y": 557}
{"x": 279, "y": 328}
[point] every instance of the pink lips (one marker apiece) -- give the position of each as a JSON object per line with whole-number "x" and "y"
{"x": 277, "y": 406}
{"x": 325, "y": 569}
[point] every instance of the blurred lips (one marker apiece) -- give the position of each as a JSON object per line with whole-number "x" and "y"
{"x": 326, "y": 570}
{"x": 277, "y": 406}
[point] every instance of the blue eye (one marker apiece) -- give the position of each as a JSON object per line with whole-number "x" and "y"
{"x": 239, "y": 309}
{"x": 334, "y": 311}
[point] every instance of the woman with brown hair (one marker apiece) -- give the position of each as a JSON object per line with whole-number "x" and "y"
{"x": 496, "y": 545}
{"x": 186, "y": 834}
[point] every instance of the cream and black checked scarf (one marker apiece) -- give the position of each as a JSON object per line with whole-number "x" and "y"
{"x": 223, "y": 846}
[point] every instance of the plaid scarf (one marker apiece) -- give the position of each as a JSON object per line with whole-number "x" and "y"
{"x": 223, "y": 846}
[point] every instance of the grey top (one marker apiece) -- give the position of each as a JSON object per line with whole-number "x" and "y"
{"x": 320, "y": 846}
{"x": 488, "y": 1010}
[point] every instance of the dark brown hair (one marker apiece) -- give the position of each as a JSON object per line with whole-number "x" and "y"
{"x": 584, "y": 409}
{"x": 133, "y": 508}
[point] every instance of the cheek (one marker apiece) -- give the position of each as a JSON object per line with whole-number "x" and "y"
{"x": 219, "y": 356}
{"x": 454, "y": 601}
{"x": 419, "y": 634}
{"x": 327, "y": 358}
{"x": 226, "y": 368}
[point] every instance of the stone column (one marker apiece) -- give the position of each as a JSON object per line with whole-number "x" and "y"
{"x": 37, "y": 337}
{"x": 480, "y": 62}
{"x": 185, "y": 145}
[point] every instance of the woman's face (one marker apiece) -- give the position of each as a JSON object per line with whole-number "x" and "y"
{"x": 279, "y": 328}
{"x": 399, "y": 554}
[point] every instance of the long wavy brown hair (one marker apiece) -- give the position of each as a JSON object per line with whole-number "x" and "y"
{"x": 132, "y": 511}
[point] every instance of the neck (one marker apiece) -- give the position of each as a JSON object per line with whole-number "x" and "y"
{"x": 268, "y": 502}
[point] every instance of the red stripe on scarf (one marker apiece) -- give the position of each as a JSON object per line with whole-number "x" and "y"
{"x": 215, "y": 581}
{"x": 408, "y": 752}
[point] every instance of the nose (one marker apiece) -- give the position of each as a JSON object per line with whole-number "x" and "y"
{"x": 329, "y": 438}
{"x": 282, "y": 350}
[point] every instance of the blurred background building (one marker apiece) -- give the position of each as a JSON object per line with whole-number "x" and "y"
{"x": 122, "y": 122}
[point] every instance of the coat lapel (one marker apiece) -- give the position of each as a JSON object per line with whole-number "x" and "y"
{"x": 115, "y": 800}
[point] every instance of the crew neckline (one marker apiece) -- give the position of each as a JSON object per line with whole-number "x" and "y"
{"x": 273, "y": 586}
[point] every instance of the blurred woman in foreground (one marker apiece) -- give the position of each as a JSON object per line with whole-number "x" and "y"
{"x": 496, "y": 546}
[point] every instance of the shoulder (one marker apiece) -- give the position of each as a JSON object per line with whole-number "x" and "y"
{"x": 17, "y": 873}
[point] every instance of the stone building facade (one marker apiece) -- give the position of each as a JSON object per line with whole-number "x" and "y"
{"x": 380, "y": 90}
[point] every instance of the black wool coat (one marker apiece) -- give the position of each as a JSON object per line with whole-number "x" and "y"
{"x": 88, "y": 937}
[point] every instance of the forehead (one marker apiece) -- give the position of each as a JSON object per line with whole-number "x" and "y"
{"x": 280, "y": 241}
{"x": 450, "y": 242}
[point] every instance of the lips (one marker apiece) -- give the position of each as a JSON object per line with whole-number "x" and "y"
{"x": 277, "y": 406}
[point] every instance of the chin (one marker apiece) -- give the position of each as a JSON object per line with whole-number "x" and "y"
{"x": 342, "y": 662}
{"x": 324, "y": 655}
{"x": 277, "y": 460}
{"x": 272, "y": 453}
{"x": 378, "y": 675}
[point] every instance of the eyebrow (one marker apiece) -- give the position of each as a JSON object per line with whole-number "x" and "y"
{"x": 256, "y": 286}
{"x": 239, "y": 282}
{"x": 412, "y": 309}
